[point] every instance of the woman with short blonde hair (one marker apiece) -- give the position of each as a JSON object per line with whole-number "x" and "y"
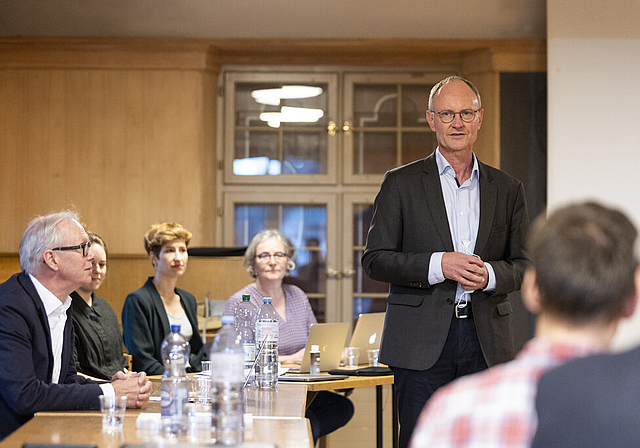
{"x": 149, "y": 312}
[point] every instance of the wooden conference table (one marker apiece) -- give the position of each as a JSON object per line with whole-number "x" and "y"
{"x": 277, "y": 419}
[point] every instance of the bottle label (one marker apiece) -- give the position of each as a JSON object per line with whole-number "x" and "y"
{"x": 227, "y": 367}
{"x": 249, "y": 353}
{"x": 268, "y": 329}
{"x": 172, "y": 400}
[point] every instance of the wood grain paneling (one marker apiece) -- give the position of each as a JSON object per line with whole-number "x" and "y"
{"x": 124, "y": 130}
{"x": 125, "y": 148}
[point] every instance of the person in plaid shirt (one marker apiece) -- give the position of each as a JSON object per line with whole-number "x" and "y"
{"x": 581, "y": 285}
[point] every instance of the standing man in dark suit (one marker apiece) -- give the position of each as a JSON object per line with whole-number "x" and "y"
{"x": 37, "y": 370}
{"x": 448, "y": 233}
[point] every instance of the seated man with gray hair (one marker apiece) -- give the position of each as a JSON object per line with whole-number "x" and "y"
{"x": 37, "y": 369}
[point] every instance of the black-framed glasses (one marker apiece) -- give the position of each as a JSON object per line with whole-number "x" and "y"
{"x": 264, "y": 257}
{"x": 447, "y": 116}
{"x": 85, "y": 248}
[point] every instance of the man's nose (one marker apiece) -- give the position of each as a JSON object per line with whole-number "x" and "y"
{"x": 457, "y": 120}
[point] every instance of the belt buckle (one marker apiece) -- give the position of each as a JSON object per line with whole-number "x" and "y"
{"x": 462, "y": 312}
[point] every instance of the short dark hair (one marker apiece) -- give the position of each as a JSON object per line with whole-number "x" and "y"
{"x": 585, "y": 261}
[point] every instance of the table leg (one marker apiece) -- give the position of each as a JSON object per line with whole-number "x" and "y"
{"x": 379, "y": 440}
{"x": 394, "y": 417}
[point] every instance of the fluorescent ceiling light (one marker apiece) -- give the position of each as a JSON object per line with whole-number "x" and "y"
{"x": 272, "y": 97}
{"x": 256, "y": 166}
{"x": 292, "y": 115}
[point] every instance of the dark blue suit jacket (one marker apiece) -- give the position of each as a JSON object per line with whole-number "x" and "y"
{"x": 26, "y": 360}
{"x": 590, "y": 402}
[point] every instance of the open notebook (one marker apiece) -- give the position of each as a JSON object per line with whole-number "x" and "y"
{"x": 330, "y": 338}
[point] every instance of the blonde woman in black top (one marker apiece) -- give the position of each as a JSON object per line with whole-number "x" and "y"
{"x": 98, "y": 342}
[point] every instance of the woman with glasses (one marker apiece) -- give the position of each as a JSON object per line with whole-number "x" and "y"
{"x": 268, "y": 259}
{"x": 149, "y": 312}
{"x": 98, "y": 342}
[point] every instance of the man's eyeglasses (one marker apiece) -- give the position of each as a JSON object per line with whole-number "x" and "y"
{"x": 264, "y": 257}
{"x": 85, "y": 248}
{"x": 447, "y": 116}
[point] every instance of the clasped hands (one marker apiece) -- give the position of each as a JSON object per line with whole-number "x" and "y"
{"x": 468, "y": 270}
{"x": 135, "y": 385}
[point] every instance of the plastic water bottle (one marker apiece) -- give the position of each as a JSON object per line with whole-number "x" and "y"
{"x": 227, "y": 362}
{"x": 174, "y": 388}
{"x": 314, "y": 360}
{"x": 245, "y": 326}
{"x": 267, "y": 333}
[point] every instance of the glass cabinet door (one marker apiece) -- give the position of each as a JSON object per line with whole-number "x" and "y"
{"x": 280, "y": 128}
{"x": 385, "y": 123}
{"x": 361, "y": 293}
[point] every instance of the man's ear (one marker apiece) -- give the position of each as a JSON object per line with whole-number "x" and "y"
{"x": 530, "y": 292}
{"x": 630, "y": 305}
{"x": 430, "y": 119}
{"x": 50, "y": 260}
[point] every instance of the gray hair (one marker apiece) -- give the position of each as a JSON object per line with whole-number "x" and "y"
{"x": 42, "y": 233}
{"x": 250, "y": 253}
{"x": 441, "y": 84}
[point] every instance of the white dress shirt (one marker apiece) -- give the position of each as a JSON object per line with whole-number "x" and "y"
{"x": 57, "y": 317}
{"x": 462, "y": 203}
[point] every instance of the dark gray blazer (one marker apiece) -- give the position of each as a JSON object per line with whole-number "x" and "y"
{"x": 145, "y": 324}
{"x": 26, "y": 360}
{"x": 409, "y": 224}
{"x": 590, "y": 402}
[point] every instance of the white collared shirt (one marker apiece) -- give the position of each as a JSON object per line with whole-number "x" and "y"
{"x": 57, "y": 317}
{"x": 462, "y": 203}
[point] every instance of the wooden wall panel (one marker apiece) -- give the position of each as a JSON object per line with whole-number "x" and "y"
{"x": 125, "y": 148}
{"x": 124, "y": 129}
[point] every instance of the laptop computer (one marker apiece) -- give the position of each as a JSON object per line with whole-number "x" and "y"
{"x": 330, "y": 338}
{"x": 367, "y": 333}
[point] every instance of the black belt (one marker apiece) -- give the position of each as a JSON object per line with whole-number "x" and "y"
{"x": 464, "y": 312}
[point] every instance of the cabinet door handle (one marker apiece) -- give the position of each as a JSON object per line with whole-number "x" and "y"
{"x": 348, "y": 273}
{"x": 331, "y": 129}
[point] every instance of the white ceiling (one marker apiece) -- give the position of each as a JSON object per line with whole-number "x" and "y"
{"x": 452, "y": 19}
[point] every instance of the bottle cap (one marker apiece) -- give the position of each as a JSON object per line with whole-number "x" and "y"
{"x": 227, "y": 320}
{"x": 266, "y": 300}
{"x": 246, "y": 297}
{"x": 175, "y": 328}
{"x": 315, "y": 348}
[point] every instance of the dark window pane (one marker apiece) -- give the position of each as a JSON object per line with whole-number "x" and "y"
{"x": 362, "y": 283}
{"x": 375, "y": 105}
{"x": 374, "y": 152}
{"x": 256, "y": 153}
{"x": 361, "y": 220}
{"x": 305, "y": 152}
{"x": 363, "y": 305}
{"x": 252, "y": 218}
{"x": 310, "y": 271}
{"x": 415, "y": 99}
{"x": 417, "y": 145}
